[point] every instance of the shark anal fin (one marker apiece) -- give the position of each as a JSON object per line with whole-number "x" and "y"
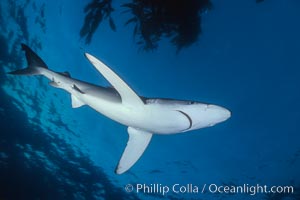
{"x": 136, "y": 145}
{"x": 76, "y": 103}
{"x": 128, "y": 96}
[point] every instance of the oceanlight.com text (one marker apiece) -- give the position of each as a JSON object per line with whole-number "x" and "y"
{"x": 249, "y": 189}
{"x": 177, "y": 188}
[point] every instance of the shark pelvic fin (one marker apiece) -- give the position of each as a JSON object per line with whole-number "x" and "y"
{"x": 76, "y": 103}
{"x": 136, "y": 145}
{"x": 128, "y": 96}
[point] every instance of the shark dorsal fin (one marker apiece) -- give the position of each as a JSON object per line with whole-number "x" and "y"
{"x": 129, "y": 97}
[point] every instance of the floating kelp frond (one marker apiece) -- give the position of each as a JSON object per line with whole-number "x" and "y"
{"x": 96, "y": 12}
{"x": 178, "y": 20}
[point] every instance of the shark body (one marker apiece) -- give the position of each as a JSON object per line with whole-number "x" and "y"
{"x": 143, "y": 116}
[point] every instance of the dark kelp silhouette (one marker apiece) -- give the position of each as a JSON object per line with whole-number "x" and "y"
{"x": 96, "y": 11}
{"x": 153, "y": 20}
{"x": 175, "y": 19}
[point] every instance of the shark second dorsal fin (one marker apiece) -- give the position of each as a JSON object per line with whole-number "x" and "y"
{"x": 136, "y": 145}
{"x": 129, "y": 97}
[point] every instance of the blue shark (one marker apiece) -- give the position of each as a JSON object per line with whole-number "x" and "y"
{"x": 143, "y": 116}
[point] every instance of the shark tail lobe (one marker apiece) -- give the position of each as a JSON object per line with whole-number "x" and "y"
{"x": 34, "y": 62}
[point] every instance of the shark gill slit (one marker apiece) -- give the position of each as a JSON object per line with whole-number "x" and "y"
{"x": 188, "y": 117}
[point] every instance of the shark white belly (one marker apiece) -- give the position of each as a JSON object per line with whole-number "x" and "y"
{"x": 152, "y": 117}
{"x": 120, "y": 103}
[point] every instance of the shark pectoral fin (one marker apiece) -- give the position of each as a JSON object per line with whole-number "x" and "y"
{"x": 129, "y": 97}
{"x": 136, "y": 145}
{"x": 76, "y": 103}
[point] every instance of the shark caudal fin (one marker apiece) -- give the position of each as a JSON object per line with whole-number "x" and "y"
{"x": 33, "y": 63}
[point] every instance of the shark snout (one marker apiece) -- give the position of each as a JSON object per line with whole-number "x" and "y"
{"x": 220, "y": 113}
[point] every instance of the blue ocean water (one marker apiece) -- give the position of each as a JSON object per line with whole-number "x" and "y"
{"x": 243, "y": 55}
